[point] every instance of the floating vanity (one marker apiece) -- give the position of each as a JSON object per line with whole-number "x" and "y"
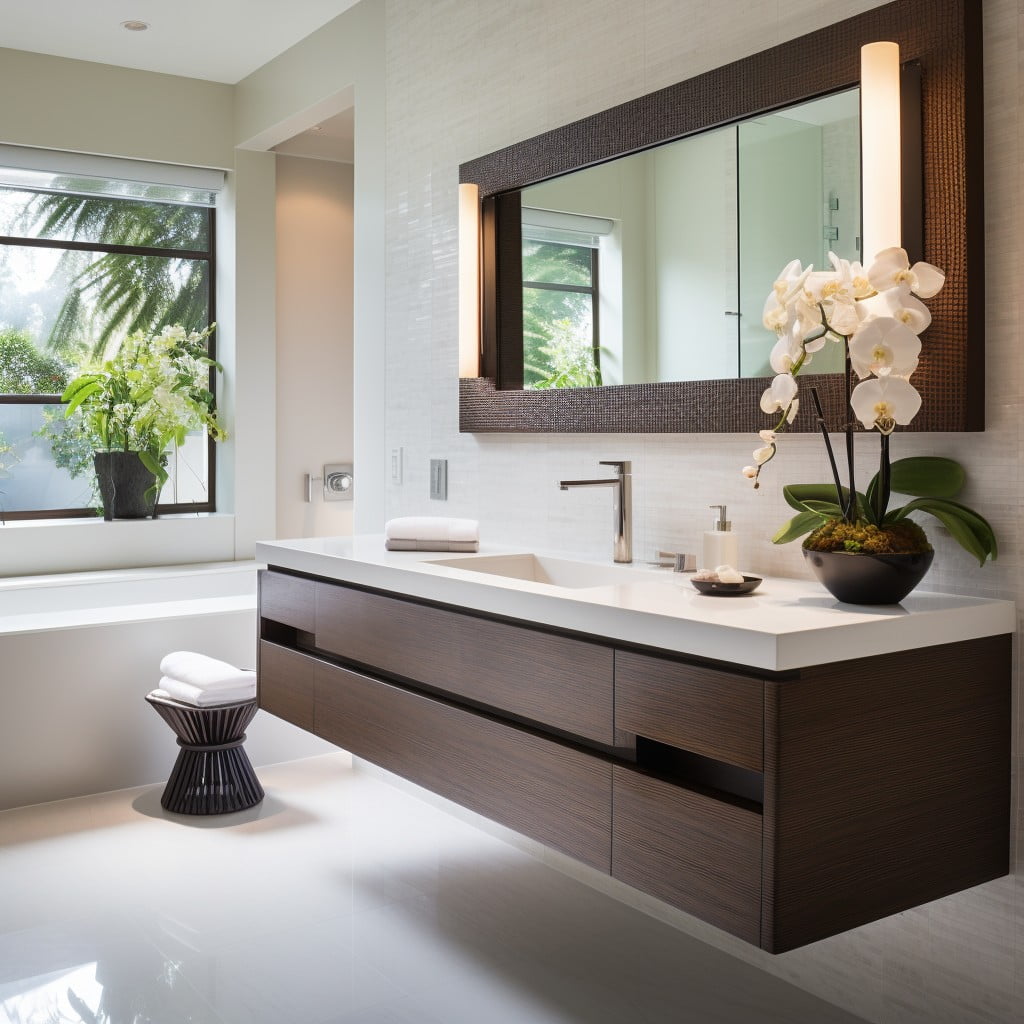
{"x": 779, "y": 765}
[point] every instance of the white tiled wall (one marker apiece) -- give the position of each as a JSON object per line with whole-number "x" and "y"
{"x": 465, "y": 77}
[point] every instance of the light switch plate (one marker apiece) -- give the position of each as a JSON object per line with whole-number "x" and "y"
{"x": 439, "y": 479}
{"x": 396, "y": 465}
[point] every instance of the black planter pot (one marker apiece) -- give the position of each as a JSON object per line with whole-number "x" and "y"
{"x": 862, "y": 578}
{"x": 124, "y": 481}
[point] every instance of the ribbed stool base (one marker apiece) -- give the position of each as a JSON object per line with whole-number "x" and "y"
{"x": 212, "y": 774}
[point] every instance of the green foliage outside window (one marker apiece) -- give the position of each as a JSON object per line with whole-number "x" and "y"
{"x": 558, "y": 345}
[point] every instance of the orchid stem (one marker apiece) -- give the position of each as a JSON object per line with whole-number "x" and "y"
{"x": 884, "y": 480}
{"x": 828, "y": 447}
{"x": 850, "y": 507}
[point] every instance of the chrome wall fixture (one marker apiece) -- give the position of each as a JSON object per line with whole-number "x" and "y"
{"x": 338, "y": 481}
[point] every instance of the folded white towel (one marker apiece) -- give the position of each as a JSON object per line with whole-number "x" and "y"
{"x": 189, "y": 694}
{"x": 204, "y": 672}
{"x": 432, "y": 528}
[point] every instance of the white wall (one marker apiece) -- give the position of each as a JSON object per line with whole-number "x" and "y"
{"x": 338, "y": 66}
{"x": 314, "y": 340}
{"x": 465, "y": 79}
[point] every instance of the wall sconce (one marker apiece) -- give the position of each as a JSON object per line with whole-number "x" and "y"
{"x": 880, "y": 141}
{"x": 469, "y": 280}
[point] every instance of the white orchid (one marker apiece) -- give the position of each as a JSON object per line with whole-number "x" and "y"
{"x": 892, "y": 269}
{"x": 778, "y": 306}
{"x": 884, "y": 347}
{"x": 877, "y": 314}
{"x": 885, "y": 402}
{"x": 901, "y": 305}
{"x": 780, "y": 395}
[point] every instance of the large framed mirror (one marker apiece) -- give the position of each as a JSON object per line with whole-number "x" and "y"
{"x": 546, "y": 255}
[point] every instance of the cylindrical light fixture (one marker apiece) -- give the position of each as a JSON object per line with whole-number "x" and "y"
{"x": 469, "y": 280}
{"x": 881, "y": 174}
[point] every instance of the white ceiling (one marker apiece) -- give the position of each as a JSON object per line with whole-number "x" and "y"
{"x": 218, "y": 40}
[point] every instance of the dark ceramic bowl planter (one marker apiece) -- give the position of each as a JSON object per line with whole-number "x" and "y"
{"x": 124, "y": 480}
{"x": 865, "y": 578}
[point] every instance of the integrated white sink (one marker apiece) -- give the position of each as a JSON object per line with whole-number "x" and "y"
{"x": 556, "y": 572}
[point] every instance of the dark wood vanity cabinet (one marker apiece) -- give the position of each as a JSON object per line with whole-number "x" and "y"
{"x": 782, "y": 808}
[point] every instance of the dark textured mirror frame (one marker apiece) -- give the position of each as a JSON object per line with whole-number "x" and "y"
{"x": 944, "y": 38}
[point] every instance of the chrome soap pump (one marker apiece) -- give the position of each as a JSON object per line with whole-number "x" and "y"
{"x": 720, "y": 544}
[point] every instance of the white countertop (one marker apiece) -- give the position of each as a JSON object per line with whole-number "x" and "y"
{"x": 784, "y": 624}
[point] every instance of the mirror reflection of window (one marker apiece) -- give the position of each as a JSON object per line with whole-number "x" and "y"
{"x": 689, "y": 237}
{"x": 561, "y": 299}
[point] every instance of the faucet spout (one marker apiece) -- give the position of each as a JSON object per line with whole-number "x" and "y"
{"x": 622, "y": 506}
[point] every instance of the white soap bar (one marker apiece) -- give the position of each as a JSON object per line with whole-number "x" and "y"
{"x": 727, "y": 574}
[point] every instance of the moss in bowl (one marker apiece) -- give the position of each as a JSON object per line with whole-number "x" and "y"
{"x": 902, "y": 538}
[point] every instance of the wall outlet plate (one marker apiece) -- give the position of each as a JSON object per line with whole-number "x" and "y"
{"x": 339, "y": 483}
{"x": 439, "y": 479}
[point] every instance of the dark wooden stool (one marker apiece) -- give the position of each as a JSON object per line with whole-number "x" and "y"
{"x": 213, "y": 774}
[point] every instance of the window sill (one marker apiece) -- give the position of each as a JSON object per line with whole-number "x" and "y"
{"x": 41, "y": 546}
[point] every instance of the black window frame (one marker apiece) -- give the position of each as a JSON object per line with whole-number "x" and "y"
{"x": 207, "y": 255}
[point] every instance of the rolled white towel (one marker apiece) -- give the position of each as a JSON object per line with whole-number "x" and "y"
{"x": 433, "y": 528}
{"x": 199, "y": 697}
{"x": 204, "y": 672}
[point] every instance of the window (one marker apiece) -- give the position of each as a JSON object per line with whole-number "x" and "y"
{"x": 85, "y": 261}
{"x": 561, "y": 337}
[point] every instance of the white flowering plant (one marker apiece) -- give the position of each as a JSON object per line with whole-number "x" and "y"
{"x": 878, "y": 316}
{"x": 149, "y": 396}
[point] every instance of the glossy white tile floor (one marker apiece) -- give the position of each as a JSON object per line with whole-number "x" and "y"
{"x": 341, "y": 899}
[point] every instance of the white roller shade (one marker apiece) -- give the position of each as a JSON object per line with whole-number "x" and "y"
{"x": 49, "y": 170}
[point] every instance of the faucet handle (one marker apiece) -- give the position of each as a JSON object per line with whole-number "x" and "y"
{"x": 623, "y": 466}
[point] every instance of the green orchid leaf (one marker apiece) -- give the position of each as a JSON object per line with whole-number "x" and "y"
{"x": 797, "y": 495}
{"x": 969, "y": 529}
{"x": 927, "y": 476}
{"x": 815, "y": 498}
{"x": 798, "y": 526}
{"x": 824, "y": 509}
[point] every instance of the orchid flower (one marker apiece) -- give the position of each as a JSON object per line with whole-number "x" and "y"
{"x": 900, "y": 304}
{"x": 884, "y": 402}
{"x": 780, "y": 395}
{"x": 883, "y": 347}
{"x": 892, "y": 269}
{"x": 778, "y": 306}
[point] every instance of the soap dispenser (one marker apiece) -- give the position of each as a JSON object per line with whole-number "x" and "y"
{"x": 720, "y": 545}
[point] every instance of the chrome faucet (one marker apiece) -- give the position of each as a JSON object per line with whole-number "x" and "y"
{"x": 622, "y": 506}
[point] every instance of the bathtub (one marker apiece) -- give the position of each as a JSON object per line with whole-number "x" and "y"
{"x": 78, "y": 653}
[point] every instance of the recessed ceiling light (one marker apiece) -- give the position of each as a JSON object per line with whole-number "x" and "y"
{"x": 135, "y": 26}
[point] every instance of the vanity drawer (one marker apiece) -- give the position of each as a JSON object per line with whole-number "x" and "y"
{"x": 716, "y": 714}
{"x": 700, "y": 854}
{"x": 553, "y": 793}
{"x": 290, "y": 600}
{"x": 552, "y": 680}
{"x": 286, "y": 684}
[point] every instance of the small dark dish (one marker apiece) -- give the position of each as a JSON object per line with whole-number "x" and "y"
{"x": 718, "y": 589}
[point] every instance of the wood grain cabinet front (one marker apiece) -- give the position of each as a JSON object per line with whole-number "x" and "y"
{"x": 553, "y": 680}
{"x": 551, "y": 792}
{"x": 782, "y": 809}
{"x": 712, "y": 713}
{"x": 696, "y": 852}
{"x": 289, "y": 600}
{"x": 286, "y": 684}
